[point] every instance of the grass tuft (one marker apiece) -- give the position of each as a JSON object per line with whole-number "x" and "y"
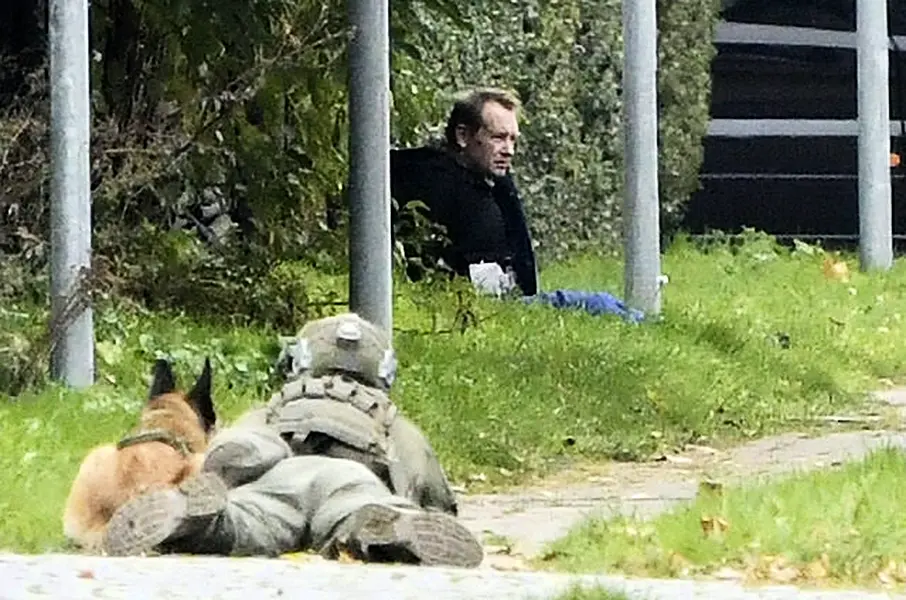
{"x": 580, "y": 592}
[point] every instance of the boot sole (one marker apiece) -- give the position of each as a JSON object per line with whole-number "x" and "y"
{"x": 139, "y": 526}
{"x": 433, "y": 538}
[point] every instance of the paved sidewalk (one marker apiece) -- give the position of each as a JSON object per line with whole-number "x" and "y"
{"x": 68, "y": 577}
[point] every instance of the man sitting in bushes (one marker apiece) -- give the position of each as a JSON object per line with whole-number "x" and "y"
{"x": 466, "y": 185}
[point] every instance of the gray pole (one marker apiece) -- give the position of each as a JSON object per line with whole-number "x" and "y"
{"x": 641, "y": 211}
{"x": 875, "y": 220}
{"x": 72, "y": 322}
{"x": 370, "y": 272}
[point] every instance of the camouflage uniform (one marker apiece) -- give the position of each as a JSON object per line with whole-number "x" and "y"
{"x": 336, "y": 404}
{"x": 315, "y": 469}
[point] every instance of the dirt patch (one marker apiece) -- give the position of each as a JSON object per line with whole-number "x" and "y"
{"x": 520, "y": 522}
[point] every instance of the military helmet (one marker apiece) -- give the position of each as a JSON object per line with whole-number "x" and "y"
{"x": 344, "y": 343}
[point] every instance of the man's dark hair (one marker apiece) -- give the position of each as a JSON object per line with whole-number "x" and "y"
{"x": 467, "y": 110}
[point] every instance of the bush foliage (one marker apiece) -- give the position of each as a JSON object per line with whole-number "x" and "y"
{"x": 242, "y": 106}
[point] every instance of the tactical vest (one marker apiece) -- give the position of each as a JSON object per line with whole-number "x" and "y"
{"x": 336, "y": 416}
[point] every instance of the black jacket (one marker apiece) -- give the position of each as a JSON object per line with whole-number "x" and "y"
{"x": 483, "y": 222}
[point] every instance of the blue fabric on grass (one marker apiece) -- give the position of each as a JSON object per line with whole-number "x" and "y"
{"x": 594, "y": 303}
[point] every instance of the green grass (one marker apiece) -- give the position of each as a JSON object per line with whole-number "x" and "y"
{"x": 845, "y": 526}
{"x": 525, "y": 390}
{"x": 578, "y": 592}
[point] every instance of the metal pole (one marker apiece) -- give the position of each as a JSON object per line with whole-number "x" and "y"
{"x": 370, "y": 272}
{"x": 72, "y": 322}
{"x": 641, "y": 211}
{"x": 875, "y": 220}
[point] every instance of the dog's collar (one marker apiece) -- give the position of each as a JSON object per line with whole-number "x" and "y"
{"x": 156, "y": 435}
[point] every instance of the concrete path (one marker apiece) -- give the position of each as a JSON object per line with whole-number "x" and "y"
{"x": 67, "y": 577}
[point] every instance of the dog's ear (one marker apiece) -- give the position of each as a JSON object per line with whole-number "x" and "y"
{"x": 163, "y": 381}
{"x": 200, "y": 397}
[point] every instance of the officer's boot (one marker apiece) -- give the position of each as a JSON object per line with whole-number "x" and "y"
{"x": 385, "y": 533}
{"x": 181, "y": 519}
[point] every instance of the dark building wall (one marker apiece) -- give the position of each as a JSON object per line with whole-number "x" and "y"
{"x": 781, "y": 154}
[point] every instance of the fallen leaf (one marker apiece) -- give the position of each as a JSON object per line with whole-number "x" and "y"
{"x": 886, "y": 578}
{"x": 86, "y": 574}
{"x": 680, "y": 564}
{"x": 726, "y": 573}
{"x": 901, "y": 572}
{"x": 782, "y": 573}
{"x": 818, "y": 569}
{"x": 300, "y": 556}
{"x": 707, "y": 524}
{"x": 712, "y": 526}
{"x": 836, "y": 269}
{"x": 503, "y": 562}
{"x": 892, "y": 573}
{"x": 347, "y": 558}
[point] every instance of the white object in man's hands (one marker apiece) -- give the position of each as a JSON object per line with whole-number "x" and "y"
{"x": 490, "y": 278}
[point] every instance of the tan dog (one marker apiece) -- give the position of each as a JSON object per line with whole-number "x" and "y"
{"x": 164, "y": 449}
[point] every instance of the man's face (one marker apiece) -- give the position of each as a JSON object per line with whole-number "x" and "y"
{"x": 491, "y": 148}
